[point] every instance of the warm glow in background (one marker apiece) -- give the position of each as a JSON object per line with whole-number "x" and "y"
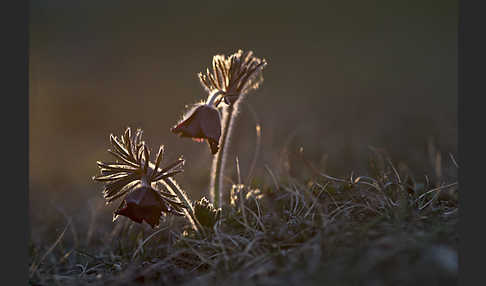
{"x": 341, "y": 75}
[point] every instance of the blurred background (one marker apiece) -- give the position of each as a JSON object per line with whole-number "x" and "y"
{"x": 342, "y": 76}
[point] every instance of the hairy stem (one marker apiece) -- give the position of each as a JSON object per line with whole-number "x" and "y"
{"x": 189, "y": 211}
{"x": 214, "y": 96}
{"x": 214, "y": 195}
{"x": 230, "y": 114}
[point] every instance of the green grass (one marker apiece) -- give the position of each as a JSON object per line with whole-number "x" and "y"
{"x": 385, "y": 228}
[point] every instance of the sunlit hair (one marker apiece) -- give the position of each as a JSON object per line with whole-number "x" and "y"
{"x": 145, "y": 185}
{"x": 233, "y": 76}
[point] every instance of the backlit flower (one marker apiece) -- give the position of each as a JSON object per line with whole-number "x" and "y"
{"x": 144, "y": 204}
{"x": 136, "y": 179}
{"x": 231, "y": 78}
{"x": 201, "y": 123}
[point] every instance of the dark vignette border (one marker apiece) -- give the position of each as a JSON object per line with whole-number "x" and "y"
{"x": 15, "y": 211}
{"x": 15, "y": 93}
{"x": 471, "y": 143}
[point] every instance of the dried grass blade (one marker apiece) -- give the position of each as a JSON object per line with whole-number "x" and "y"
{"x": 35, "y": 266}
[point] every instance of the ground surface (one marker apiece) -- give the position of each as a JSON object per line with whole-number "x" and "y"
{"x": 385, "y": 228}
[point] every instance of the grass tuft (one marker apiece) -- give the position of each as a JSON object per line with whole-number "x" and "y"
{"x": 381, "y": 228}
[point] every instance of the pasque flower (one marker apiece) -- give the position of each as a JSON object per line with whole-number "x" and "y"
{"x": 137, "y": 180}
{"x": 231, "y": 78}
{"x": 144, "y": 203}
{"x": 229, "y": 81}
{"x": 203, "y": 122}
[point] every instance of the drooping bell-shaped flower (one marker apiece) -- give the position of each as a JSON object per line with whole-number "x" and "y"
{"x": 143, "y": 204}
{"x": 201, "y": 123}
{"x": 136, "y": 179}
{"x": 230, "y": 79}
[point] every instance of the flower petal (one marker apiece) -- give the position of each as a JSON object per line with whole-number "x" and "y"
{"x": 204, "y": 122}
{"x": 143, "y": 203}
